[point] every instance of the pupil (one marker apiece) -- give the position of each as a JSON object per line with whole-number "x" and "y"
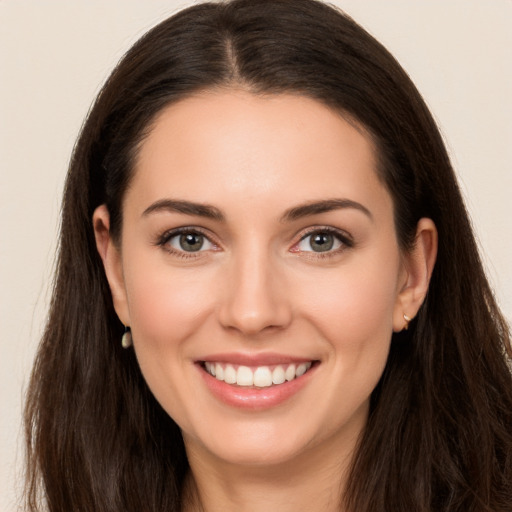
{"x": 322, "y": 242}
{"x": 191, "y": 242}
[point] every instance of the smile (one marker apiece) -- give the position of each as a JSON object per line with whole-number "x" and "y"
{"x": 258, "y": 376}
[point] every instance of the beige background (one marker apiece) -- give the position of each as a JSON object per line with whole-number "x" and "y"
{"x": 55, "y": 54}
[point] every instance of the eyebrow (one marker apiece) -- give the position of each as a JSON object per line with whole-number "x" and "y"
{"x": 186, "y": 207}
{"x": 295, "y": 213}
{"x": 327, "y": 205}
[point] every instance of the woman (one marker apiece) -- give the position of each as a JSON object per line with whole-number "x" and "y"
{"x": 261, "y": 207}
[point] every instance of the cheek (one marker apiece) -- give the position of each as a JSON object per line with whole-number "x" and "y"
{"x": 356, "y": 300}
{"x": 364, "y": 305}
{"x": 354, "y": 314}
{"x": 353, "y": 309}
{"x": 166, "y": 306}
{"x": 165, "y": 311}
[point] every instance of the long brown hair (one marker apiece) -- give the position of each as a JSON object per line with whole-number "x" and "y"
{"x": 439, "y": 434}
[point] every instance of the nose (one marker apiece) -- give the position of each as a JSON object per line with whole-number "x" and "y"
{"x": 255, "y": 298}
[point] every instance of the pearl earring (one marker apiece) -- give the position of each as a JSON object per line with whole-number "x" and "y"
{"x": 126, "y": 340}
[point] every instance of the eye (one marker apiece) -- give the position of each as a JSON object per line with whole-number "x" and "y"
{"x": 186, "y": 241}
{"x": 323, "y": 241}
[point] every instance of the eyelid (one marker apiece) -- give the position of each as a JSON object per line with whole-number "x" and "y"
{"x": 176, "y": 240}
{"x": 343, "y": 236}
{"x": 163, "y": 239}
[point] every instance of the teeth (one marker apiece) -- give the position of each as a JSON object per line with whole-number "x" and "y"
{"x": 210, "y": 368}
{"x": 263, "y": 377}
{"x": 260, "y": 377}
{"x": 301, "y": 370}
{"x": 244, "y": 376}
{"x": 278, "y": 375}
{"x": 289, "y": 374}
{"x": 230, "y": 375}
{"x": 219, "y": 371}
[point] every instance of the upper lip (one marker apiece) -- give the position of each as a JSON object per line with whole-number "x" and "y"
{"x": 261, "y": 359}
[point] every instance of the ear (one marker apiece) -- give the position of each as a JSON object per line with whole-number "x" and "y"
{"x": 418, "y": 265}
{"x": 112, "y": 262}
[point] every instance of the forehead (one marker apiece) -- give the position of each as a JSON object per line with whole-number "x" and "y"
{"x": 280, "y": 149}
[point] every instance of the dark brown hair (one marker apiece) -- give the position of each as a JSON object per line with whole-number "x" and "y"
{"x": 439, "y": 434}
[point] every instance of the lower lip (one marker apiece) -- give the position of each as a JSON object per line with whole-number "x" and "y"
{"x": 255, "y": 398}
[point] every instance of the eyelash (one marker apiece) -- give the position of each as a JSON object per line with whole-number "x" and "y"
{"x": 342, "y": 237}
{"x": 165, "y": 238}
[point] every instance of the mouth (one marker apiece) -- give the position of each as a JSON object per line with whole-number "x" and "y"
{"x": 256, "y": 376}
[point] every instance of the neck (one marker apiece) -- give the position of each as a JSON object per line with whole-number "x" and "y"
{"x": 314, "y": 480}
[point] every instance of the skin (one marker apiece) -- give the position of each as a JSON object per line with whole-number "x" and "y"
{"x": 258, "y": 286}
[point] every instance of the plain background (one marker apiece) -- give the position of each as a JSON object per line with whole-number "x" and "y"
{"x": 54, "y": 55}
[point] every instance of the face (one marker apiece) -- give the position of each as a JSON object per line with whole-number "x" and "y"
{"x": 258, "y": 244}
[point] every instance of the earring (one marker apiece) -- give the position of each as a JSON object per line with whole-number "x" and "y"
{"x": 407, "y": 322}
{"x": 126, "y": 340}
